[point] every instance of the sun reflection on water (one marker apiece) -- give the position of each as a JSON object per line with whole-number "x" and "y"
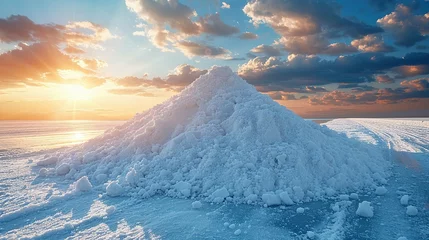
{"x": 78, "y": 136}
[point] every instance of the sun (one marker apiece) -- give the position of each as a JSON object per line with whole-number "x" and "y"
{"x": 77, "y": 92}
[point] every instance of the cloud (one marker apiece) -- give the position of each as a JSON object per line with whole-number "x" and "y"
{"x": 213, "y": 25}
{"x": 191, "y": 49}
{"x": 282, "y": 96}
{"x": 314, "y": 44}
{"x": 371, "y": 43}
{"x": 384, "y": 79}
{"x": 170, "y": 23}
{"x": 407, "y": 29}
{"x": 17, "y": 28}
{"x": 181, "y": 76}
{"x": 248, "y": 36}
{"x": 225, "y": 5}
{"x": 409, "y": 90}
{"x": 40, "y": 63}
{"x": 73, "y": 50}
{"x": 305, "y": 17}
{"x": 299, "y": 70}
{"x": 267, "y": 50}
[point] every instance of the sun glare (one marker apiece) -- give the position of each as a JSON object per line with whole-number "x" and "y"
{"x": 78, "y": 136}
{"x": 77, "y": 92}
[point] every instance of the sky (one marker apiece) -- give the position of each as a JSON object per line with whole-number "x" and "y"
{"x": 110, "y": 59}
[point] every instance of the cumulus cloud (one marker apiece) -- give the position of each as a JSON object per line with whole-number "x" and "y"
{"x": 248, "y": 36}
{"x": 213, "y": 25}
{"x": 299, "y": 70}
{"x": 371, "y": 43}
{"x": 17, "y": 28}
{"x": 267, "y": 50}
{"x": 407, "y": 29}
{"x": 171, "y": 23}
{"x": 181, "y": 76}
{"x": 282, "y": 96}
{"x": 306, "y": 26}
{"x": 314, "y": 44}
{"x": 225, "y": 5}
{"x": 34, "y": 63}
{"x": 192, "y": 49}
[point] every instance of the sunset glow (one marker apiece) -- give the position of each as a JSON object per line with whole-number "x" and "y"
{"x": 319, "y": 59}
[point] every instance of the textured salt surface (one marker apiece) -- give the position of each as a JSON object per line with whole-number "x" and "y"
{"x": 222, "y": 140}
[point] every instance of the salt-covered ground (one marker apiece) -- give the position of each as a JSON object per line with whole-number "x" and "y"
{"x": 222, "y": 161}
{"x": 38, "y": 208}
{"x": 43, "y": 212}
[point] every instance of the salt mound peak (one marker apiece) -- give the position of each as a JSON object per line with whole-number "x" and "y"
{"x": 222, "y": 140}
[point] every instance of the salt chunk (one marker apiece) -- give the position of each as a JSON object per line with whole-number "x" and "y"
{"x": 354, "y": 196}
{"x": 380, "y": 191}
{"x": 404, "y": 200}
{"x": 365, "y": 209}
{"x": 237, "y": 232}
{"x": 344, "y": 197}
{"x": 298, "y": 193}
{"x": 63, "y": 169}
{"x": 284, "y": 196}
{"x": 83, "y": 184}
{"x": 114, "y": 189}
{"x": 412, "y": 211}
{"x": 221, "y": 193}
{"x": 232, "y": 226}
{"x": 226, "y": 224}
{"x": 184, "y": 188}
{"x": 310, "y": 234}
{"x": 300, "y": 210}
{"x": 110, "y": 210}
{"x": 43, "y": 172}
{"x": 271, "y": 199}
{"x": 131, "y": 177}
{"x": 197, "y": 205}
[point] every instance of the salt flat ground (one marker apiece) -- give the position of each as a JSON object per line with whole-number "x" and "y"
{"x": 33, "y": 207}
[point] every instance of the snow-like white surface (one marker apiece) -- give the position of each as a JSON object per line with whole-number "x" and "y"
{"x": 404, "y": 200}
{"x": 221, "y": 140}
{"x": 412, "y": 211}
{"x": 39, "y": 207}
{"x": 380, "y": 191}
{"x": 196, "y": 205}
{"x": 399, "y": 135}
{"x": 83, "y": 184}
{"x": 365, "y": 209}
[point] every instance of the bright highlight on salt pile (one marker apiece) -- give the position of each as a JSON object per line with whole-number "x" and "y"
{"x": 221, "y": 140}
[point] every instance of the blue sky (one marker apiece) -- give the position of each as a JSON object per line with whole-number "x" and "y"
{"x": 297, "y": 54}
